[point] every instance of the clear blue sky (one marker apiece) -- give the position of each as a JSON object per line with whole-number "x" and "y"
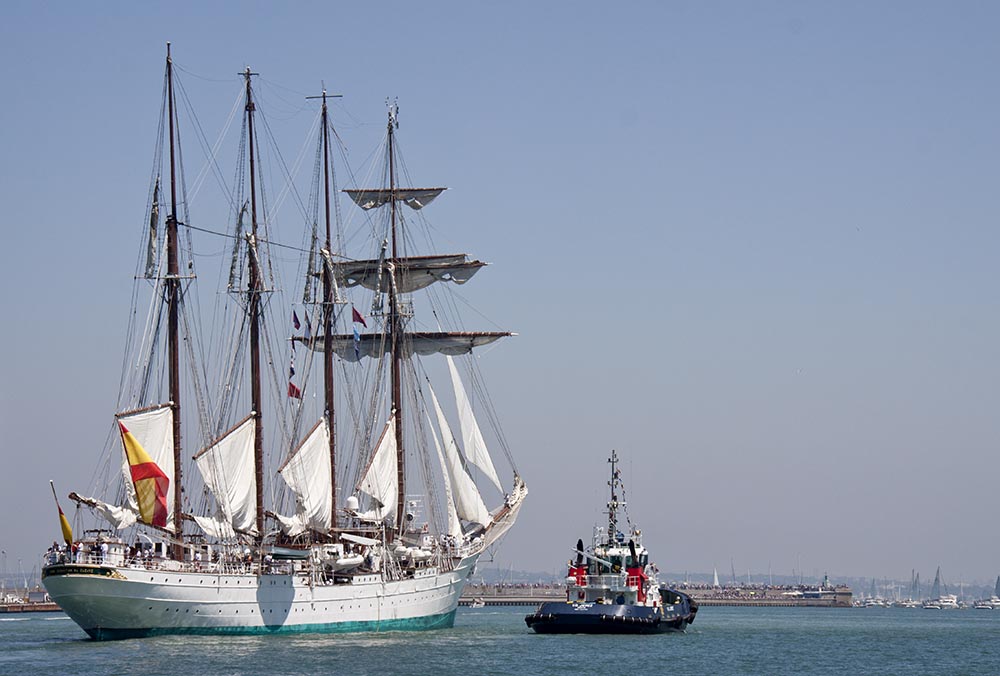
{"x": 752, "y": 246}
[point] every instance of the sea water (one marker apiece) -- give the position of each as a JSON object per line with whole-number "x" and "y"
{"x": 722, "y": 641}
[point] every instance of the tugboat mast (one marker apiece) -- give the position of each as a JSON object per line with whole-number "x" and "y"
{"x": 613, "y": 503}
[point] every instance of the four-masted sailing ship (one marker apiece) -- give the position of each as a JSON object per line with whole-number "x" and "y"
{"x": 381, "y": 514}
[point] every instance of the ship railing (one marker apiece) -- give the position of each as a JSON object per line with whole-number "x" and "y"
{"x": 616, "y": 581}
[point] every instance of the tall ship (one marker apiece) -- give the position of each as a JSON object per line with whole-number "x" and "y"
{"x": 380, "y": 513}
{"x": 612, "y": 587}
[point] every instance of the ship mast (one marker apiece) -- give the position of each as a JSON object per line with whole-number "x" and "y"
{"x": 253, "y": 296}
{"x": 328, "y": 326}
{"x": 396, "y": 332}
{"x": 172, "y": 284}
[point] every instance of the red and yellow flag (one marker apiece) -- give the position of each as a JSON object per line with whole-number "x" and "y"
{"x": 150, "y": 482}
{"x": 67, "y": 531}
{"x": 63, "y": 521}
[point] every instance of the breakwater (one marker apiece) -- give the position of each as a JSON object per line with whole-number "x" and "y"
{"x": 757, "y": 596}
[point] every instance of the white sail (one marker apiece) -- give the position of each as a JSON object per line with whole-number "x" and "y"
{"x": 468, "y": 502}
{"x": 472, "y": 438}
{"x": 216, "y": 528}
{"x": 119, "y": 517}
{"x": 454, "y": 524}
{"x": 307, "y": 473}
{"x": 154, "y": 430}
{"x": 380, "y": 481}
{"x": 227, "y": 467}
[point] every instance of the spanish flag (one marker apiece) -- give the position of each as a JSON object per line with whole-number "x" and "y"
{"x": 150, "y": 482}
{"x": 67, "y": 531}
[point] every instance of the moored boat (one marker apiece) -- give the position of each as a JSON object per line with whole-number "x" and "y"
{"x": 612, "y": 587}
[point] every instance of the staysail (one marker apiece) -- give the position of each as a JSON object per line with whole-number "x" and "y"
{"x": 468, "y": 502}
{"x": 472, "y": 437}
{"x": 227, "y": 467}
{"x": 379, "y": 481}
{"x": 307, "y": 473}
{"x": 454, "y": 524}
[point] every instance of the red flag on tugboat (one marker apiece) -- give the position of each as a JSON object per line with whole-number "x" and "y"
{"x": 356, "y": 316}
{"x": 149, "y": 480}
{"x": 293, "y": 391}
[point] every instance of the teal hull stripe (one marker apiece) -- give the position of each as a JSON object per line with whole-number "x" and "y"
{"x": 442, "y": 621}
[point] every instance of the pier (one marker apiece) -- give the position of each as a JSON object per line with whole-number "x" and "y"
{"x": 47, "y": 607}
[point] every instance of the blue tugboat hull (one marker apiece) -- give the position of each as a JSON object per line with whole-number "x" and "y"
{"x": 601, "y": 618}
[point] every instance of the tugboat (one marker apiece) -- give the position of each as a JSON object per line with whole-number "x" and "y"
{"x": 612, "y": 588}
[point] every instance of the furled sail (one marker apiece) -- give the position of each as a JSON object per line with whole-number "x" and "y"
{"x": 154, "y": 220}
{"x": 119, "y": 517}
{"x": 227, "y": 467}
{"x": 472, "y": 438}
{"x": 468, "y": 502}
{"x": 454, "y": 524}
{"x": 412, "y": 274}
{"x": 307, "y": 473}
{"x": 153, "y": 429}
{"x": 375, "y": 344}
{"x": 379, "y": 480}
{"x": 415, "y": 198}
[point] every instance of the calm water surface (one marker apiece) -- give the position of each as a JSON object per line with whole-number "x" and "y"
{"x": 723, "y": 641}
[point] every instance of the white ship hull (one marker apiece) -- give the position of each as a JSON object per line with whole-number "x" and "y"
{"x": 122, "y": 602}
